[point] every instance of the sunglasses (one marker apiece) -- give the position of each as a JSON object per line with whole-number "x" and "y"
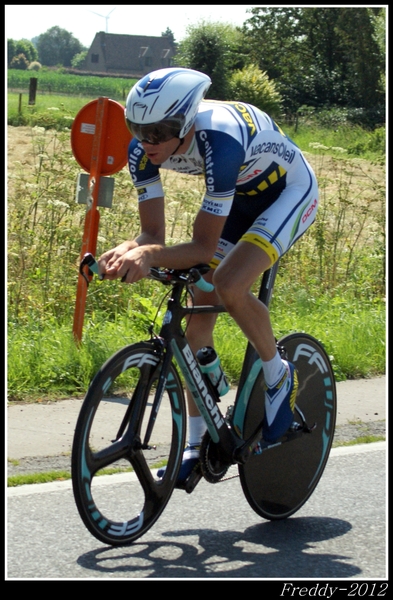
{"x": 155, "y": 133}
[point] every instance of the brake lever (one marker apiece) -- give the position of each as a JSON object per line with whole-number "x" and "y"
{"x": 89, "y": 261}
{"x": 197, "y": 279}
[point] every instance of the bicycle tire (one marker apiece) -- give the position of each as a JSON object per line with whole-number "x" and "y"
{"x": 281, "y": 479}
{"x": 121, "y": 512}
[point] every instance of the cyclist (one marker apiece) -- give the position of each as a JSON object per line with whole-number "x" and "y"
{"x": 261, "y": 196}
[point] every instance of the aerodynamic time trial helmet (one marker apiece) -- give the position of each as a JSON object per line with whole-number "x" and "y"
{"x": 164, "y": 104}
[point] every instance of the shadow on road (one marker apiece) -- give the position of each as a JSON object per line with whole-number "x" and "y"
{"x": 272, "y": 549}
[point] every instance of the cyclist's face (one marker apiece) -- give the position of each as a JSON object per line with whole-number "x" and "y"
{"x": 159, "y": 153}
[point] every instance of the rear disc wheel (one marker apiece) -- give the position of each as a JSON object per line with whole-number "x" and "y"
{"x": 280, "y": 480}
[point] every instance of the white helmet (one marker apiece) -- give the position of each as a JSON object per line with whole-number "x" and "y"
{"x": 164, "y": 104}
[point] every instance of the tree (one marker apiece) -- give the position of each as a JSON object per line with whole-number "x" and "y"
{"x": 78, "y": 60}
{"x": 57, "y": 47}
{"x": 19, "y": 62}
{"x": 11, "y": 47}
{"x": 27, "y": 48}
{"x": 206, "y": 49}
{"x": 379, "y": 22}
{"x": 360, "y": 56}
{"x": 320, "y": 56}
{"x": 345, "y": 65}
{"x": 18, "y": 47}
{"x": 169, "y": 33}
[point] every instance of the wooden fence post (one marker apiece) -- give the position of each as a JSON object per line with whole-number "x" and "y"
{"x": 32, "y": 90}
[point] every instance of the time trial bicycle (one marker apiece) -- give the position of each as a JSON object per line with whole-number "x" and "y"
{"x": 134, "y": 415}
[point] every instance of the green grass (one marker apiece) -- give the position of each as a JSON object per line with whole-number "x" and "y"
{"x": 344, "y": 140}
{"x": 48, "y": 477}
{"x": 45, "y": 362}
{"x": 52, "y": 111}
{"x": 365, "y": 439}
{"x": 52, "y": 82}
{"x": 51, "y": 476}
{"x": 57, "y": 110}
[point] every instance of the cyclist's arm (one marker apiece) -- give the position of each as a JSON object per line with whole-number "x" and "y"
{"x": 152, "y": 221}
{"x": 135, "y": 263}
{"x": 200, "y": 249}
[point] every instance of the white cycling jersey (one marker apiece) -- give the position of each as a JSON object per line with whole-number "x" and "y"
{"x": 248, "y": 164}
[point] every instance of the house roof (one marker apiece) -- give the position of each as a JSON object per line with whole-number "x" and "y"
{"x": 120, "y": 50}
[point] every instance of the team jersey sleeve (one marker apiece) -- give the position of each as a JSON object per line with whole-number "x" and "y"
{"x": 145, "y": 175}
{"x": 223, "y": 158}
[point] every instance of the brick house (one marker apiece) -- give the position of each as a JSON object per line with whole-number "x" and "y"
{"x": 129, "y": 55}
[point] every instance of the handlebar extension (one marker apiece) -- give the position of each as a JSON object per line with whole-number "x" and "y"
{"x": 190, "y": 276}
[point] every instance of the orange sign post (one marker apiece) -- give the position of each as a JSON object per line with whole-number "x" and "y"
{"x": 99, "y": 141}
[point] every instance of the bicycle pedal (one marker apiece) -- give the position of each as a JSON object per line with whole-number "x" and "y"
{"x": 295, "y": 426}
{"x": 308, "y": 429}
{"x": 191, "y": 482}
{"x": 262, "y": 446}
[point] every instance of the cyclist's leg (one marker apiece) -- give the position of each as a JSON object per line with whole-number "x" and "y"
{"x": 271, "y": 234}
{"x": 200, "y": 330}
{"x": 241, "y": 268}
{"x": 233, "y": 280}
{"x": 199, "y": 334}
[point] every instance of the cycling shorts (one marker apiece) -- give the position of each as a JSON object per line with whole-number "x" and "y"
{"x": 274, "y": 223}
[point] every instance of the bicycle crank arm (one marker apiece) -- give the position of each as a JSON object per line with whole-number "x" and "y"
{"x": 192, "y": 481}
{"x": 304, "y": 427}
{"x": 140, "y": 446}
{"x": 294, "y": 431}
{"x": 243, "y": 453}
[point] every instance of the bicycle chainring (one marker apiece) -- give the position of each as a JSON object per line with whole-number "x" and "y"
{"x": 212, "y": 467}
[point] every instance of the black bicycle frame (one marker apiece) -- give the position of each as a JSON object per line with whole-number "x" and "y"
{"x": 232, "y": 448}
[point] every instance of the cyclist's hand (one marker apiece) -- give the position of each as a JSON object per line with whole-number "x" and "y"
{"x": 130, "y": 266}
{"x": 110, "y": 258}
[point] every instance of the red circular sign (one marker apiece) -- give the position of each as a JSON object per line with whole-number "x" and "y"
{"x": 115, "y": 142}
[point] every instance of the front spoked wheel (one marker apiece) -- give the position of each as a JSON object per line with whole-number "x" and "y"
{"x": 280, "y": 480}
{"x": 124, "y": 427}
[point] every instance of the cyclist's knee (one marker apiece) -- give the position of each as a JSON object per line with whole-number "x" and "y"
{"x": 226, "y": 286}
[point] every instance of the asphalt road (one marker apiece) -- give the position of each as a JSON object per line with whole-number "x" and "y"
{"x": 212, "y": 533}
{"x": 340, "y": 533}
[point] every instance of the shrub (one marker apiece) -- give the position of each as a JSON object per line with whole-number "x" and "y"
{"x": 34, "y": 66}
{"x": 19, "y": 62}
{"x": 371, "y": 142}
{"x": 253, "y": 85}
{"x": 78, "y": 61}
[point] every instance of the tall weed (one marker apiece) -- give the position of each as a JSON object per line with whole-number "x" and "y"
{"x": 337, "y": 268}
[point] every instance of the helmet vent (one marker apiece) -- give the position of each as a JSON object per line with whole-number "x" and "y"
{"x": 170, "y": 108}
{"x": 148, "y": 84}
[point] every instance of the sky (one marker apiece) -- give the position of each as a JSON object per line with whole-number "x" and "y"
{"x": 26, "y": 21}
